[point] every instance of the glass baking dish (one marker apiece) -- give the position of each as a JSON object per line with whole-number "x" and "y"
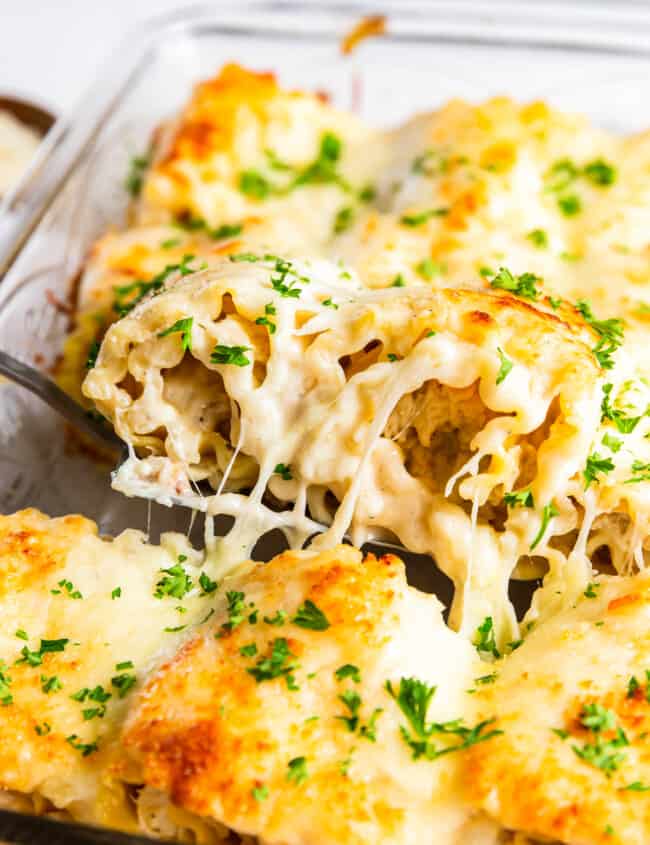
{"x": 588, "y": 57}
{"x": 581, "y": 56}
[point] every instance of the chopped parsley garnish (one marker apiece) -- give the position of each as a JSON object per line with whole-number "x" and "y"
{"x": 170, "y": 243}
{"x": 506, "y": 366}
{"x": 367, "y": 193}
{"x": 135, "y": 177}
{"x": 596, "y": 465}
{"x": 278, "y": 619}
{"x": 44, "y": 729}
{"x": 226, "y": 230}
{"x": 275, "y": 162}
{"x": 590, "y": 592}
{"x": 484, "y": 639}
{"x": 635, "y": 786}
{"x": 128, "y": 296}
{"x": 348, "y": 670}
{"x": 175, "y": 630}
{"x": 207, "y": 585}
{"x": 249, "y": 650}
{"x": 284, "y": 471}
{"x": 392, "y": 357}
{"x": 600, "y": 753}
{"x": 236, "y": 611}
{"x": 613, "y": 443}
{"x": 570, "y": 205}
{"x": 538, "y": 238}
{"x": 35, "y": 658}
{"x": 269, "y": 311}
{"x": 623, "y": 423}
{"x": 284, "y": 270}
{"x": 548, "y": 512}
{"x": 51, "y": 684}
{"x": 486, "y": 679}
{"x": 93, "y": 352}
{"x": 422, "y": 217}
{"x": 352, "y": 700}
{"x": 279, "y": 663}
{"x": 184, "y": 328}
{"x": 126, "y": 664}
{"x": 116, "y": 593}
{"x": 428, "y": 269}
{"x": 329, "y": 304}
{"x": 398, "y": 281}
{"x": 523, "y": 285}
{"x": 86, "y": 748}
{"x": 22, "y": 635}
{"x": 323, "y": 169}
{"x": 310, "y": 616}
{"x": 413, "y": 698}
{"x": 254, "y": 185}
{"x": 343, "y": 220}
{"x": 230, "y": 355}
{"x": 67, "y": 588}
{"x": 260, "y": 793}
{"x": 519, "y": 499}
{"x": 176, "y": 583}
{"x": 641, "y": 473}
{"x": 600, "y": 173}
{"x": 99, "y": 695}
{"x": 6, "y": 698}
{"x": 632, "y": 687}
{"x": 297, "y": 770}
{"x": 610, "y": 332}
{"x": 554, "y": 303}
{"x": 561, "y": 174}
{"x": 124, "y": 682}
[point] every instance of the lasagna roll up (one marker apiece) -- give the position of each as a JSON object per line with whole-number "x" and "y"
{"x": 459, "y": 422}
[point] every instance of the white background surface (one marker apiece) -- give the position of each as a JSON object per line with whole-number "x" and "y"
{"x": 50, "y": 50}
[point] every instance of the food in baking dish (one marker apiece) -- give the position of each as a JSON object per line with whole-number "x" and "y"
{"x": 140, "y": 692}
{"x": 316, "y": 698}
{"x": 433, "y": 335}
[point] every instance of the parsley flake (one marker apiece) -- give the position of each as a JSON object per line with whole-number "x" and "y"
{"x": 523, "y": 285}
{"x": 278, "y": 663}
{"x": 135, "y": 177}
{"x": 505, "y": 368}
{"x": 6, "y": 698}
{"x": 184, "y": 328}
{"x": 413, "y": 697}
{"x": 538, "y": 238}
{"x": 206, "y": 584}
{"x": 422, "y": 217}
{"x": 51, "y": 684}
{"x": 348, "y": 670}
{"x": 86, "y": 748}
{"x": 548, "y": 512}
{"x": 284, "y": 471}
{"x": 230, "y": 355}
{"x": 484, "y": 639}
{"x": 519, "y": 499}
{"x": 596, "y": 465}
{"x": 176, "y": 583}
{"x": 297, "y": 770}
{"x": 310, "y": 616}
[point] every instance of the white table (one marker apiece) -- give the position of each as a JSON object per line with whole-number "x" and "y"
{"x": 50, "y": 50}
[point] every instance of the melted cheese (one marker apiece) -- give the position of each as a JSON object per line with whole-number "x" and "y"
{"x": 187, "y": 748}
{"x": 530, "y": 777}
{"x": 58, "y": 583}
{"x": 324, "y": 395}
